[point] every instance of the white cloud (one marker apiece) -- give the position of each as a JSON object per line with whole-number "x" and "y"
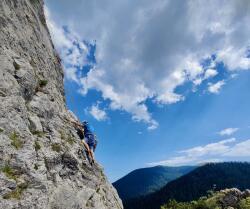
{"x": 97, "y": 113}
{"x": 120, "y": 100}
{"x": 240, "y": 150}
{"x": 228, "y": 131}
{"x": 234, "y": 58}
{"x": 215, "y": 87}
{"x": 159, "y": 46}
{"x": 72, "y": 50}
{"x": 210, "y": 73}
{"x": 214, "y": 152}
{"x": 234, "y": 75}
{"x": 213, "y": 148}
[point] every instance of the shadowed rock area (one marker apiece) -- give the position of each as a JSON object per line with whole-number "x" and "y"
{"x": 41, "y": 166}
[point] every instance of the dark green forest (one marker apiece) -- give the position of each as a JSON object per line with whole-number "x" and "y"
{"x": 192, "y": 186}
{"x": 143, "y": 181}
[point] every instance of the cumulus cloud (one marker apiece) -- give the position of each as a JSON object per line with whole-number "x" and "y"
{"x": 228, "y": 131}
{"x": 159, "y": 46}
{"x": 214, "y": 152}
{"x": 210, "y": 73}
{"x": 98, "y": 113}
{"x": 240, "y": 150}
{"x": 213, "y": 148}
{"x": 72, "y": 49}
{"x": 215, "y": 87}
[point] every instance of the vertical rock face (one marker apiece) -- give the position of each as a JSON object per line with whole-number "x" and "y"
{"x": 40, "y": 162}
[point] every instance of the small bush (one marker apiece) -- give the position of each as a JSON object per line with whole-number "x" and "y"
{"x": 43, "y": 21}
{"x": 17, "y": 193}
{"x": 245, "y": 203}
{"x": 56, "y": 147}
{"x": 43, "y": 83}
{"x": 63, "y": 136}
{"x": 36, "y": 167}
{"x": 210, "y": 202}
{"x": 37, "y": 146}
{"x": 38, "y": 133}
{"x": 1, "y": 130}
{"x": 70, "y": 140}
{"x": 17, "y": 66}
{"x": 33, "y": 1}
{"x": 16, "y": 141}
{"x": 9, "y": 172}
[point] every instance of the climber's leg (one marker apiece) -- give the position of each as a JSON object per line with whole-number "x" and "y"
{"x": 91, "y": 147}
{"x": 87, "y": 151}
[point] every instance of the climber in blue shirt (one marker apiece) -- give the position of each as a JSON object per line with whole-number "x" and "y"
{"x": 89, "y": 137}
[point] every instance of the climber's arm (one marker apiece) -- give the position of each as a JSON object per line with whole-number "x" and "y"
{"x": 75, "y": 123}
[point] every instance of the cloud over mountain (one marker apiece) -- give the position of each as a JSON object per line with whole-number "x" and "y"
{"x": 213, "y": 152}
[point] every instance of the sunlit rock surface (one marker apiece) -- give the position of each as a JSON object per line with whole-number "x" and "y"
{"x": 41, "y": 166}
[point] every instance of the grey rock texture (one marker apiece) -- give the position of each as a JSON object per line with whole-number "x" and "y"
{"x": 41, "y": 166}
{"x": 232, "y": 197}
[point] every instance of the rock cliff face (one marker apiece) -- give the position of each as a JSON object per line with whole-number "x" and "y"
{"x": 41, "y": 166}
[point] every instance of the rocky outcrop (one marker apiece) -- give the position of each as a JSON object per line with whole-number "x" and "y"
{"x": 230, "y": 198}
{"x": 41, "y": 166}
{"x": 224, "y": 199}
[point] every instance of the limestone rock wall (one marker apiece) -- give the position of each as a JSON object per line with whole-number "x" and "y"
{"x": 41, "y": 166}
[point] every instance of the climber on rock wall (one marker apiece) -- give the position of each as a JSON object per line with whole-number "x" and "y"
{"x": 90, "y": 137}
{"x": 87, "y": 136}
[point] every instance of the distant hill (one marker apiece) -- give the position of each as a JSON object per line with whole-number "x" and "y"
{"x": 196, "y": 184}
{"x": 147, "y": 180}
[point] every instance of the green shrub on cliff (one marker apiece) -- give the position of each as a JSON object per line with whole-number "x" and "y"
{"x": 215, "y": 201}
{"x": 16, "y": 141}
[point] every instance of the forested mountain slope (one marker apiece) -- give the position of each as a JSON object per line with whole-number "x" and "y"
{"x": 147, "y": 180}
{"x": 196, "y": 184}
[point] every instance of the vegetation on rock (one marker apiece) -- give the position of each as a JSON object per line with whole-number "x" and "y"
{"x": 36, "y": 166}
{"x": 17, "y": 193}
{"x": 38, "y": 133}
{"x": 9, "y": 172}
{"x": 230, "y": 198}
{"x": 16, "y": 141}
{"x": 56, "y": 147}
{"x": 70, "y": 140}
{"x": 67, "y": 138}
{"x": 43, "y": 83}
{"x": 37, "y": 146}
{"x": 16, "y": 65}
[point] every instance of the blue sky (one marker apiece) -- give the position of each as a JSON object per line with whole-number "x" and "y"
{"x": 167, "y": 84}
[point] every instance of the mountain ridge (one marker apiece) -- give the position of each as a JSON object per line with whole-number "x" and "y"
{"x": 143, "y": 181}
{"x": 197, "y": 183}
